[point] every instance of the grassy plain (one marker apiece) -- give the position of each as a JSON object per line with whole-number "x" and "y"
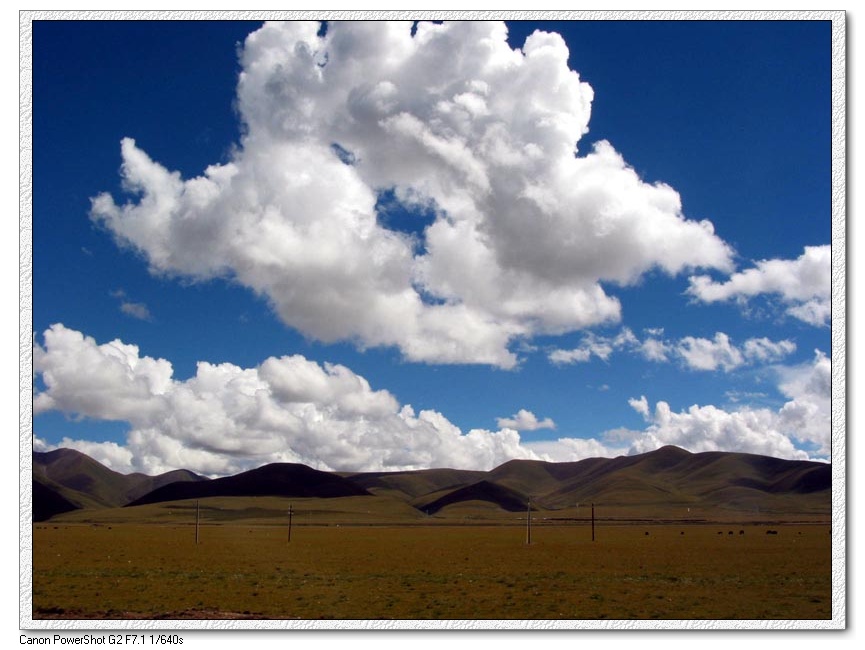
{"x": 437, "y": 568}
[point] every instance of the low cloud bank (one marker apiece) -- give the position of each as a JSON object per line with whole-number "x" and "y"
{"x": 228, "y": 419}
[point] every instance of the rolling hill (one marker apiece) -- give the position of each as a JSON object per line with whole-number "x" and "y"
{"x": 68, "y": 479}
{"x": 667, "y": 479}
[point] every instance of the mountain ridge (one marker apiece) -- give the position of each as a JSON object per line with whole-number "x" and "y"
{"x": 668, "y": 475}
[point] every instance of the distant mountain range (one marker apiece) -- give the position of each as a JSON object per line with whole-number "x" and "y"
{"x": 65, "y": 479}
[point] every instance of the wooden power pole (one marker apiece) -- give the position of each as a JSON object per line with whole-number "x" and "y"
{"x": 593, "y": 522}
{"x": 290, "y": 512}
{"x": 529, "y": 521}
{"x": 197, "y": 517}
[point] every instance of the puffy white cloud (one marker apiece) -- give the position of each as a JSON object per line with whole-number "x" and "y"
{"x": 695, "y": 352}
{"x": 641, "y": 406}
{"x": 525, "y": 420}
{"x": 107, "y": 382}
{"x": 815, "y": 312}
{"x": 706, "y": 354}
{"x": 595, "y": 346}
{"x": 654, "y": 349}
{"x": 808, "y": 412}
{"x": 451, "y": 119}
{"x": 709, "y": 428}
{"x": 803, "y": 421}
{"x": 577, "y": 355}
{"x": 799, "y": 430}
{"x": 765, "y": 350}
{"x": 227, "y": 419}
{"x": 566, "y": 450}
{"x": 804, "y": 285}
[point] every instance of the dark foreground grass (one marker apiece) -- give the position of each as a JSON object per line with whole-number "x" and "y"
{"x": 432, "y": 572}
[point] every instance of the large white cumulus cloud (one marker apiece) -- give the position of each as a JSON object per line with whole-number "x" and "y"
{"x": 450, "y": 119}
{"x": 227, "y": 419}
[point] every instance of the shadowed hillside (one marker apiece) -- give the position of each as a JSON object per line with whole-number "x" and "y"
{"x": 277, "y": 479}
{"x": 501, "y": 496}
{"x": 410, "y": 485}
{"x": 47, "y": 502}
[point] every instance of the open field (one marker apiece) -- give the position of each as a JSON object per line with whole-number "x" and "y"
{"x": 244, "y": 567}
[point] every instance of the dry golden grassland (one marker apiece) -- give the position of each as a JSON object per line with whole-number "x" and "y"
{"x": 248, "y": 568}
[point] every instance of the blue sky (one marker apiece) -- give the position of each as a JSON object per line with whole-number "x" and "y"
{"x": 396, "y": 260}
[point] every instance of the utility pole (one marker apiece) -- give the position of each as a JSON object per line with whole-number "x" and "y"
{"x": 197, "y": 517}
{"x": 529, "y": 521}
{"x": 290, "y": 512}
{"x": 593, "y": 522}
